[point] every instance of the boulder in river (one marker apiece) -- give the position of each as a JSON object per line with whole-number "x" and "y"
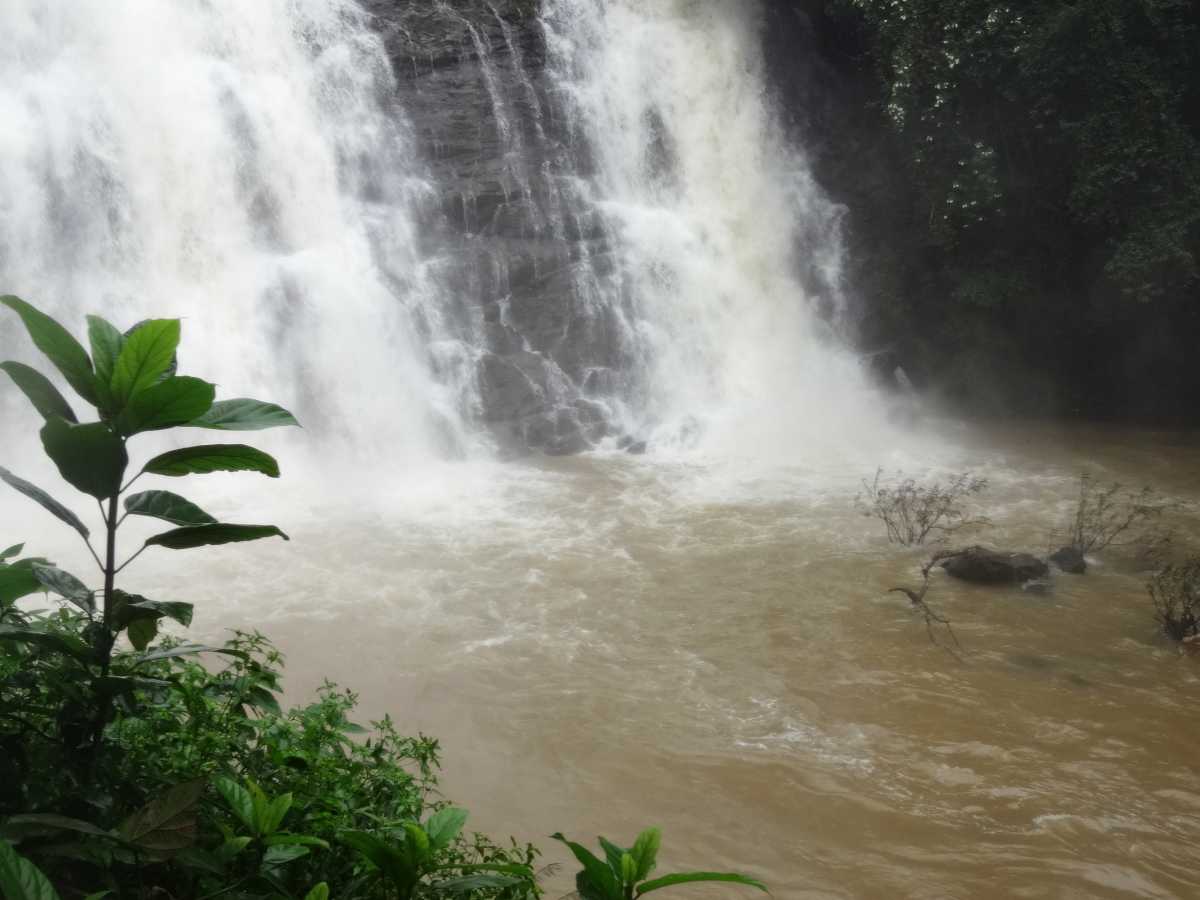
{"x": 984, "y": 566}
{"x": 1069, "y": 559}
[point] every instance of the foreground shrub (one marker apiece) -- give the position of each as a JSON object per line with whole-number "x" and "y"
{"x": 624, "y": 872}
{"x": 1175, "y": 593}
{"x": 139, "y": 773}
{"x": 911, "y": 511}
{"x": 138, "y": 770}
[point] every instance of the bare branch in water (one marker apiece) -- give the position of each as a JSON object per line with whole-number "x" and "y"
{"x": 928, "y": 613}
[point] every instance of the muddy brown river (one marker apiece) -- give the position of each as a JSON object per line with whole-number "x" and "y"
{"x": 608, "y": 642}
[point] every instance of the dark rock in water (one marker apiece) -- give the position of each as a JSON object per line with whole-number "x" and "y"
{"x": 1069, "y": 559}
{"x": 1038, "y": 586}
{"x": 984, "y": 566}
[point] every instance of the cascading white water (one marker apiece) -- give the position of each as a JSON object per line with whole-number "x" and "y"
{"x": 729, "y": 254}
{"x": 240, "y": 164}
{"x": 251, "y": 167}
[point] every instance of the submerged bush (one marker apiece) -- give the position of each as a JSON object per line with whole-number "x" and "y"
{"x": 1113, "y": 515}
{"x": 1175, "y": 593}
{"x": 911, "y": 511}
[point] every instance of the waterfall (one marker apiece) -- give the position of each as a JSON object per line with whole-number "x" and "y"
{"x": 244, "y": 165}
{"x": 728, "y": 255}
{"x": 437, "y": 230}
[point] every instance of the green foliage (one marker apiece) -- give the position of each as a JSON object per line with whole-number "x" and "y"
{"x": 1024, "y": 190}
{"x": 133, "y": 386}
{"x": 143, "y": 773}
{"x": 622, "y": 874}
{"x": 203, "y": 783}
{"x": 20, "y": 879}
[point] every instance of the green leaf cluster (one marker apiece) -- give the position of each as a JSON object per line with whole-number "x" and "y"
{"x": 622, "y": 874}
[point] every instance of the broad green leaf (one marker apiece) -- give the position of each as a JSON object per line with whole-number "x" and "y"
{"x": 212, "y": 458}
{"x": 239, "y": 800}
{"x": 444, "y": 826}
{"x": 471, "y": 883}
{"x": 318, "y": 892}
{"x": 45, "y": 500}
{"x": 195, "y": 858}
{"x": 20, "y": 879}
{"x": 231, "y": 848}
{"x": 303, "y": 839}
{"x": 131, "y": 607}
{"x": 283, "y": 854}
{"x": 142, "y": 632}
{"x": 168, "y": 822}
{"x": 183, "y": 650}
{"x": 112, "y": 685}
{"x": 65, "y": 585}
{"x": 168, "y": 507}
{"x": 613, "y": 854}
{"x": 384, "y": 857}
{"x": 174, "y": 401}
{"x": 628, "y": 869}
{"x": 145, "y": 357}
{"x": 595, "y": 873}
{"x": 10, "y": 552}
{"x": 204, "y": 535}
{"x": 60, "y": 643}
{"x": 692, "y": 877}
{"x": 272, "y": 816}
{"x": 261, "y": 698}
{"x": 107, "y": 341}
{"x": 41, "y": 393}
{"x": 645, "y": 851}
{"x": 17, "y": 582}
{"x": 50, "y": 820}
{"x": 60, "y": 348}
{"x": 417, "y": 842}
{"x": 90, "y": 457}
{"x": 244, "y": 414}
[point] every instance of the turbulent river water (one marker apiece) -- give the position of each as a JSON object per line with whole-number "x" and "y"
{"x": 449, "y": 235}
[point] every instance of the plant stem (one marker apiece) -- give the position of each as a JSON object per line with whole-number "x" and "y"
{"x": 110, "y": 572}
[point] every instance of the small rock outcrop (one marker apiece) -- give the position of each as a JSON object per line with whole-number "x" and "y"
{"x": 1069, "y": 559}
{"x": 984, "y": 566}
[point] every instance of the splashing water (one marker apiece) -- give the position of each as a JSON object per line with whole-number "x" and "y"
{"x": 728, "y": 252}
{"x": 242, "y": 165}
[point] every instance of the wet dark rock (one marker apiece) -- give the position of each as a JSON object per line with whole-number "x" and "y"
{"x": 1069, "y": 559}
{"x": 983, "y": 566}
{"x": 523, "y": 256}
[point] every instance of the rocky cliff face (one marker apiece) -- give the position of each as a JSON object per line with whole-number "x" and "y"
{"x": 508, "y": 227}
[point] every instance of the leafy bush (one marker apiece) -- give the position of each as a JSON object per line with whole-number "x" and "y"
{"x": 623, "y": 874}
{"x": 1175, "y": 593}
{"x": 111, "y": 755}
{"x": 145, "y": 774}
{"x": 911, "y": 512}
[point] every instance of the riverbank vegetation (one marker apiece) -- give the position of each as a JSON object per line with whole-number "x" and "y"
{"x": 130, "y": 770}
{"x": 1022, "y": 183}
